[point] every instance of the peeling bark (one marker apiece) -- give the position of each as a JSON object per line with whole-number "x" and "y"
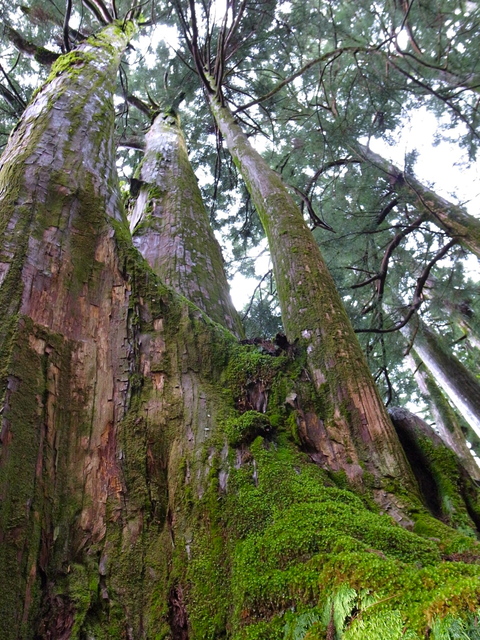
{"x": 63, "y": 325}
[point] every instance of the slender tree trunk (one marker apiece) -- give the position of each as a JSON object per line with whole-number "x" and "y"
{"x": 446, "y": 422}
{"x": 63, "y": 325}
{"x": 447, "y": 216}
{"x": 458, "y": 384}
{"x": 171, "y": 228}
{"x": 459, "y": 312}
{"x": 465, "y": 319}
{"x": 356, "y": 430}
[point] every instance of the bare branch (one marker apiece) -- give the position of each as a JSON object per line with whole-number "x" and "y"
{"x": 417, "y": 298}
{"x": 316, "y": 221}
{"x": 68, "y": 13}
{"x": 269, "y": 273}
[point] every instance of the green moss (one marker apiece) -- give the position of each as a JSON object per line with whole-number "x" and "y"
{"x": 70, "y": 63}
{"x": 245, "y": 428}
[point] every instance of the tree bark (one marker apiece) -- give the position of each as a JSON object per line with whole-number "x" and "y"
{"x": 458, "y": 384}
{"x": 171, "y": 228}
{"x": 152, "y": 483}
{"x": 446, "y": 484}
{"x": 446, "y": 422}
{"x": 449, "y": 217}
{"x": 358, "y": 431}
{"x": 63, "y": 324}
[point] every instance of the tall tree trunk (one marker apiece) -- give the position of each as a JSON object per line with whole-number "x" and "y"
{"x": 151, "y": 484}
{"x": 458, "y": 384}
{"x": 465, "y": 319}
{"x": 449, "y": 217}
{"x": 356, "y": 430}
{"x": 171, "y": 228}
{"x": 63, "y": 324}
{"x": 446, "y": 422}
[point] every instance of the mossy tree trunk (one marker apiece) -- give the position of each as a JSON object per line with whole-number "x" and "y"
{"x": 171, "y": 228}
{"x": 446, "y": 484}
{"x": 446, "y": 421}
{"x": 63, "y": 326}
{"x": 354, "y": 431}
{"x": 152, "y": 478}
{"x": 456, "y": 381}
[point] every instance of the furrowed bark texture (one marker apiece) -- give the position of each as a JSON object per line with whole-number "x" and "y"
{"x": 63, "y": 326}
{"x": 152, "y": 483}
{"x": 356, "y": 429}
{"x": 458, "y": 384}
{"x": 446, "y": 422}
{"x": 170, "y": 225}
{"x": 447, "y": 216}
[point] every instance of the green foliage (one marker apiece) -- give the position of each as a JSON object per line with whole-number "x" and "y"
{"x": 453, "y": 628}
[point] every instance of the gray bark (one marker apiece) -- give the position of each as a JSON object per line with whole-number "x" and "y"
{"x": 457, "y": 382}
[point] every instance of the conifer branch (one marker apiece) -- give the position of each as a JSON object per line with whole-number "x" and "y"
{"x": 299, "y": 72}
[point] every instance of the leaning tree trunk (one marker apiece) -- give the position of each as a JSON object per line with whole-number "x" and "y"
{"x": 449, "y": 217}
{"x": 466, "y": 321}
{"x": 171, "y": 228}
{"x": 446, "y": 422}
{"x": 63, "y": 326}
{"x": 355, "y": 431}
{"x": 456, "y": 381}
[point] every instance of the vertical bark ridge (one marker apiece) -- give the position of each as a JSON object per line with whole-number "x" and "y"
{"x": 171, "y": 228}
{"x": 313, "y": 313}
{"x": 63, "y": 325}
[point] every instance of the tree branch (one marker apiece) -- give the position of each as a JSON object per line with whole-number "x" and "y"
{"x": 40, "y": 54}
{"x": 306, "y": 67}
{"x": 417, "y": 298}
{"x": 68, "y": 13}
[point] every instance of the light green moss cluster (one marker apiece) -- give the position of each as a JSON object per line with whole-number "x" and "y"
{"x": 71, "y": 63}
